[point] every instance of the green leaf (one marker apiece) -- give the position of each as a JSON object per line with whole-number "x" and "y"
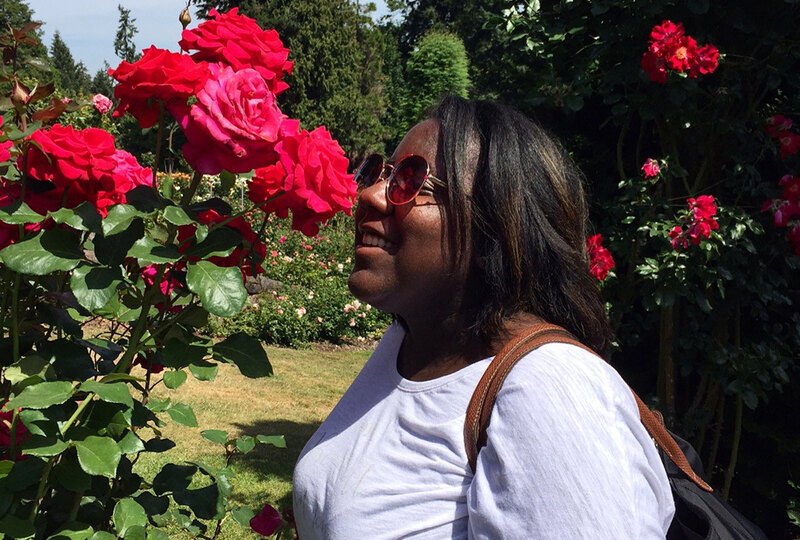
{"x": 245, "y": 444}
{"x": 103, "y": 535}
{"x": 118, "y": 219}
{"x": 83, "y": 217}
{"x": 70, "y": 360}
{"x": 47, "y": 252}
{"x": 42, "y": 395}
{"x": 99, "y": 456}
{"x": 70, "y": 476}
{"x": 27, "y": 366}
{"x": 177, "y": 216}
{"x": 227, "y": 180}
{"x": 205, "y": 502}
{"x": 148, "y": 251}
{"x": 128, "y": 513}
{"x": 215, "y": 435}
{"x": 173, "y": 477}
{"x": 73, "y": 531}
{"x": 220, "y": 242}
{"x": 19, "y": 213}
{"x": 179, "y": 354}
{"x": 44, "y": 446}
{"x": 112, "y": 250}
{"x": 93, "y": 286}
{"x": 205, "y": 372}
{"x": 278, "y": 441}
{"x": 24, "y": 474}
{"x": 243, "y": 516}
{"x": 246, "y": 352}
{"x": 14, "y": 527}
{"x": 221, "y": 290}
{"x": 173, "y": 379}
{"x": 131, "y": 444}
{"x": 156, "y": 534}
{"x": 183, "y": 414}
{"x": 118, "y": 392}
{"x": 5, "y": 468}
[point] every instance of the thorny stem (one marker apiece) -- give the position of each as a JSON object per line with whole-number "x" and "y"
{"x": 42, "y": 488}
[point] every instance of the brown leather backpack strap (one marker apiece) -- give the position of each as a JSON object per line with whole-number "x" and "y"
{"x": 481, "y": 404}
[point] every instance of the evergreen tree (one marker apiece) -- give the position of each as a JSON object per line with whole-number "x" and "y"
{"x": 438, "y": 66}
{"x": 101, "y": 82}
{"x": 124, "y": 47}
{"x": 70, "y": 76}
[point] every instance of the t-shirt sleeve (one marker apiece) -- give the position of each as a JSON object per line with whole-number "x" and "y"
{"x": 567, "y": 456}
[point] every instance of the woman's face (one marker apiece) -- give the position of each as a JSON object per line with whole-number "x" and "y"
{"x": 408, "y": 272}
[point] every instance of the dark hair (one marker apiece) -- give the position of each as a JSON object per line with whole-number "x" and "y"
{"x": 516, "y": 198}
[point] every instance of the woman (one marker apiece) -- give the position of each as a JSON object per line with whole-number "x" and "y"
{"x": 492, "y": 242}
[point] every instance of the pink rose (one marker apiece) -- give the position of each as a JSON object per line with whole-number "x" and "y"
{"x": 237, "y": 41}
{"x": 651, "y": 168}
{"x": 266, "y": 522}
{"x": 312, "y": 175}
{"x": 102, "y": 103}
{"x": 234, "y": 124}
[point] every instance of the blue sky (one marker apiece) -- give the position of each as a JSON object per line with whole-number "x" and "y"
{"x": 88, "y": 26}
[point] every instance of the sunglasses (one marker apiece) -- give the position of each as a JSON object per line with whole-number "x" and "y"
{"x": 405, "y": 179}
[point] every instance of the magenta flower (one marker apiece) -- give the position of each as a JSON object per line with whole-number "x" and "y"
{"x": 266, "y": 522}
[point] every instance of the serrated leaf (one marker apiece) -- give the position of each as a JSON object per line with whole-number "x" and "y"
{"x": 115, "y": 392}
{"x": 5, "y": 468}
{"x": 183, "y": 414}
{"x": 246, "y": 352}
{"x": 73, "y": 531}
{"x": 215, "y": 435}
{"x": 278, "y": 441}
{"x": 47, "y": 252}
{"x": 93, "y": 286}
{"x": 179, "y": 354}
{"x": 173, "y": 379}
{"x": 221, "y": 290}
{"x": 113, "y": 250}
{"x": 220, "y": 242}
{"x": 42, "y": 395}
{"x": 204, "y": 372}
{"x": 19, "y": 213}
{"x": 243, "y": 516}
{"x": 156, "y": 534}
{"x": 99, "y": 456}
{"x": 103, "y": 535}
{"x": 119, "y": 218}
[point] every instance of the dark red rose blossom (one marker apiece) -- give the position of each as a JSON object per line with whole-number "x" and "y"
{"x": 147, "y": 364}
{"x": 312, "y": 175}
{"x": 237, "y": 41}
{"x": 266, "y": 522}
{"x": 671, "y": 49}
{"x": 158, "y": 76}
{"x": 22, "y": 434}
{"x": 600, "y": 260}
{"x": 5, "y": 146}
{"x": 701, "y": 222}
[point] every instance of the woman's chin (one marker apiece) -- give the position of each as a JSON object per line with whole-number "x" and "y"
{"x": 364, "y": 286}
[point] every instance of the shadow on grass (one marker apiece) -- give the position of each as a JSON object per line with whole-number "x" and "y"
{"x": 266, "y": 460}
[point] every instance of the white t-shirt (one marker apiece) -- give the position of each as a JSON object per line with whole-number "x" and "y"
{"x": 567, "y": 456}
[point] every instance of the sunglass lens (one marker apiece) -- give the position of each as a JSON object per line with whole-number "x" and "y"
{"x": 407, "y": 179}
{"x": 369, "y": 171}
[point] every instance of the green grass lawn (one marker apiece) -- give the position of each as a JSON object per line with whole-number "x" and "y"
{"x": 306, "y": 386}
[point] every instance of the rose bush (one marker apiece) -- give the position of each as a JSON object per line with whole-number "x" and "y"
{"x": 104, "y": 269}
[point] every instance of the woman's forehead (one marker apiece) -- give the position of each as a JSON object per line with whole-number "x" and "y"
{"x": 421, "y": 140}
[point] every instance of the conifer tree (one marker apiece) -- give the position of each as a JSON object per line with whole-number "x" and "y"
{"x": 124, "y": 47}
{"x": 70, "y": 77}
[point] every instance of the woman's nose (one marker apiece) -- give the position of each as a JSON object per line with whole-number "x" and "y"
{"x": 374, "y": 196}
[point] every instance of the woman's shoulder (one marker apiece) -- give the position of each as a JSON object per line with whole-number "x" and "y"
{"x": 566, "y": 377}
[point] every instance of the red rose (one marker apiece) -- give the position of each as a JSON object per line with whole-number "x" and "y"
{"x": 651, "y": 169}
{"x": 22, "y": 434}
{"x": 655, "y": 67}
{"x": 237, "y": 41}
{"x": 312, "y": 173}
{"x": 247, "y": 256}
{"x": 266, "y": 522}
{"x": 776, "y": 125}
{"x": 148, "y": 365}
{"x": 671, "y": 48}
{"x": 678, "y": 239}
{"x": 5, "y": 154}
{"x": 703, "y": 207}
{"x": 794, "y": 238}
{"x": 82, "y": 165}
{"x": 600, "y": 260}
{"x": 789, "y": 144}
{"x": 234, "y": 124}
{"x": 681, "y": 56}
{"x": 159, "y": 75}
{"x": 705, "y": 60}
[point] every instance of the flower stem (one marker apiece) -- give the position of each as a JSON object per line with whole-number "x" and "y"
{"x": 42, "y": 489}
{"x": 159, "y": 141}
{"x": 15, "y": 317}
{"x": 188, "y": 195}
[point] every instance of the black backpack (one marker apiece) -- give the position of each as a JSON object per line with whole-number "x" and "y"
{"x": 699, "y": 512}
